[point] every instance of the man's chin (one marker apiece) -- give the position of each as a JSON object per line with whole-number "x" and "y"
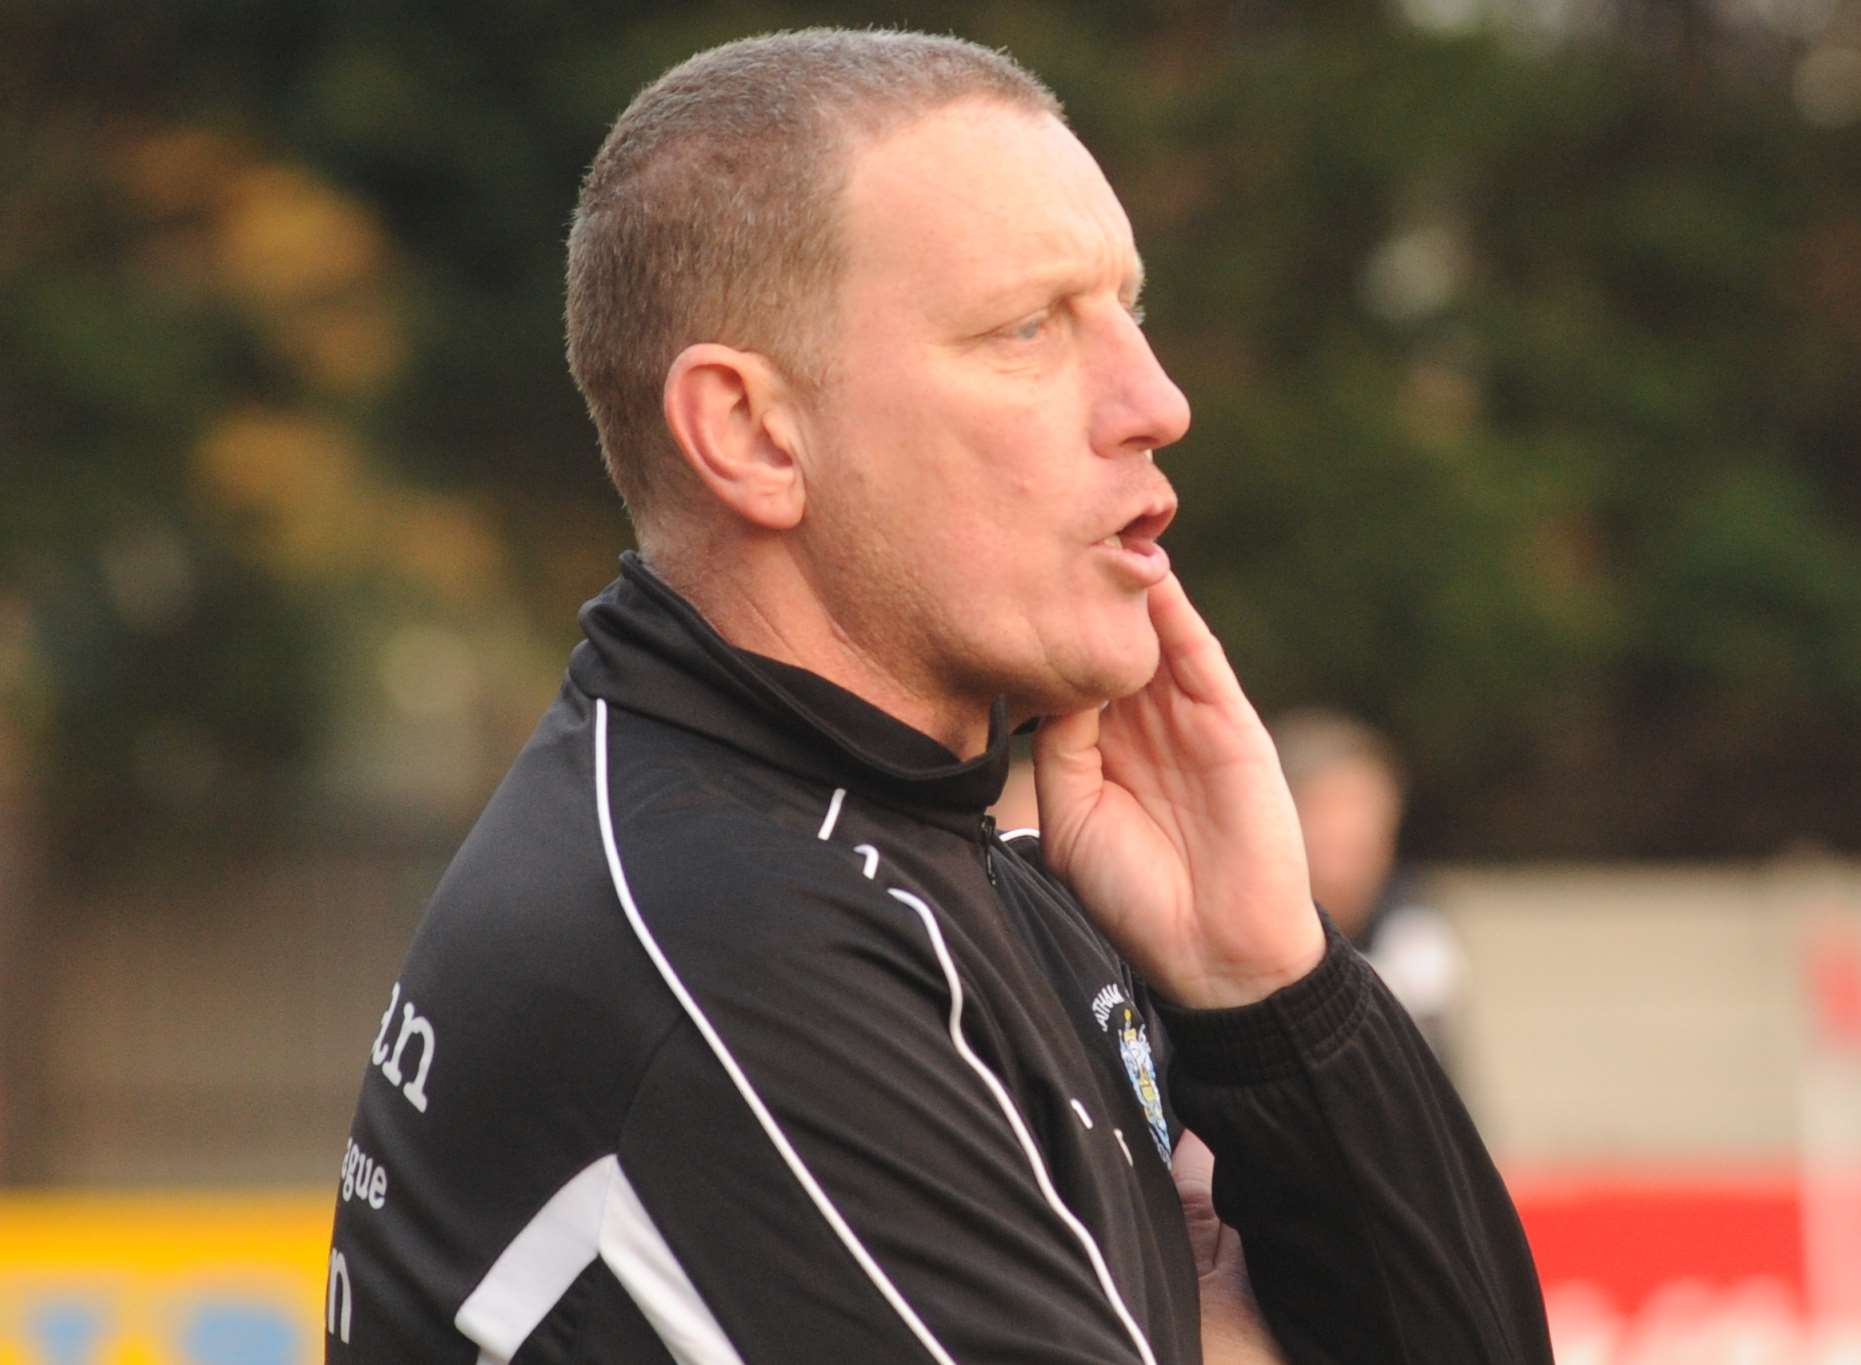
{"x": 1081, "y": 689}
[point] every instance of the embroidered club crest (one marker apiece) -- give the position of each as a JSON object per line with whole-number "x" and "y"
{"x": 1134, "y": 1048}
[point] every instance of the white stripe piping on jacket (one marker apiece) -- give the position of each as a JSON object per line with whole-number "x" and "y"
{"x": 535, "y": 1270}
{"x": 1025, "y": 832}
{"x": 771, "y": 1129}
{"x": 870, "y": 853}
{"x": 638, "y": 1254}
{"x": 993, "y": 1082}
{"x": 595, "y": 1213}
{"x": 833, "y": 813}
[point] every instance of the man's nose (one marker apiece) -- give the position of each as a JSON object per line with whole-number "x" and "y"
{"x": 1140, "y": 408}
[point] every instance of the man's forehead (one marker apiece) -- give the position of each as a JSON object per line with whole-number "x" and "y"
{"x": 997, "y": 191}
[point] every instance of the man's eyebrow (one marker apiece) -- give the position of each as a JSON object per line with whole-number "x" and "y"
{"x": 1135, "y": 288}
{"x": 1065, "y": 279}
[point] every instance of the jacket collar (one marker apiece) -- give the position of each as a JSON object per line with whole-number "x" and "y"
{"x": 649, "y": 651}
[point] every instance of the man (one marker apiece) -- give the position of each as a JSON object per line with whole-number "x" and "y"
{"x": 1347, "y": 785}
{"x": 734, "y": 1033}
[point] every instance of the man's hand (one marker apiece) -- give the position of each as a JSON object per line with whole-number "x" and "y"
{"x": 1167, "y": 814}
{"x": 1232, "y": 1332}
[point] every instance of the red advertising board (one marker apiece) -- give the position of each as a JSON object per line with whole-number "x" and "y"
{"x": 1716, "y": 1267}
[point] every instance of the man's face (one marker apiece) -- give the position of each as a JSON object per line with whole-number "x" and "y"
{"x": 981, "y": 502}
{"x": 1349, "y": 813}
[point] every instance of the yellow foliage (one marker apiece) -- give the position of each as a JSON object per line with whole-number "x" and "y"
{"x": 321, "y": 513}
{"x": 310, "y": 262}
{"x": 257, "y": 458}
{"x": 304, "y": 481}
{"x": 349, "y": 343}
{"x": 285, "y": 237}
{"x": 445, "y": 545}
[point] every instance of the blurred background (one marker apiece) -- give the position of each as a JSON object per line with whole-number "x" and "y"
{"x": 1523, "y": 338}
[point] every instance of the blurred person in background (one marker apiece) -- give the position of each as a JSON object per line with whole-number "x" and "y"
{"x": 735, "y": 1032}
{"x": 1349, "y": 787}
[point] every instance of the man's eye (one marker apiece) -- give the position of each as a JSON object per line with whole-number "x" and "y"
{"x": 1029, "y": 329}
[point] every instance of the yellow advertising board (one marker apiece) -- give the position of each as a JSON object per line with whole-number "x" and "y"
{"x": 163, "y": 1279}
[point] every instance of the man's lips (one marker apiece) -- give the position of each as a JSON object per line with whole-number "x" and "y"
{"x": 1136, "y": 546}
{"x": 1145, "y": 527}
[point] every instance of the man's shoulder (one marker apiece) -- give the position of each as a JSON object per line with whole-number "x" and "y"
{"x": 686, "y": 834}
{"x": 552, "y": 931}
{"x": 593, "y": 775}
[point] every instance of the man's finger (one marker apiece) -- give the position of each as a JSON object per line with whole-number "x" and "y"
{"x": 1190, "y": 652}
{"x": 1193, "y": 1164}
{"x": 1193, "y": 1168}
{"x": 1068, "y": 771}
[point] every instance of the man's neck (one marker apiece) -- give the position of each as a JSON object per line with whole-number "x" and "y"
{"x": 766, "y": 607}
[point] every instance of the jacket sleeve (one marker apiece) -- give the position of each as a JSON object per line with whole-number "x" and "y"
{"x": 1375, "y": 1224}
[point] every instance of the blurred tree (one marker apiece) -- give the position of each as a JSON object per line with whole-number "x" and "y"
{"x": 1523, "y": 363}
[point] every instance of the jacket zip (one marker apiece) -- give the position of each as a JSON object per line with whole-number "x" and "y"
{"x": 987, "y": 826}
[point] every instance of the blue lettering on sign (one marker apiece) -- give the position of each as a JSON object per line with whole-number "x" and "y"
{"x": 67, "y": 1331}
{"x": 239, "y": 1332}
{"x": 213, "y": 1329}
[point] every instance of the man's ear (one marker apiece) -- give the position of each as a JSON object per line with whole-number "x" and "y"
{"x": 728, "y": 412}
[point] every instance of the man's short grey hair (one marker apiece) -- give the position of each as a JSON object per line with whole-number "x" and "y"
{"x": 711, "y": 214}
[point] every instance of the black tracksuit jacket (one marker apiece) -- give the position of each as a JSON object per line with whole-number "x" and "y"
{"x": 735, "y": 1032}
